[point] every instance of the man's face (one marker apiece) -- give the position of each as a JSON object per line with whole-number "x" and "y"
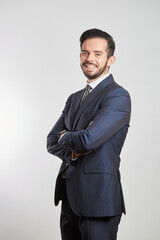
{"x": 94, "y": 61}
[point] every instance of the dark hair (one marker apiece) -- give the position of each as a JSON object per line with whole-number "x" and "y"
{"x": 97, "y": 33}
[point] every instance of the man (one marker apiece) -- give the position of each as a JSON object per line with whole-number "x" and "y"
{"x": 88, "y": 138}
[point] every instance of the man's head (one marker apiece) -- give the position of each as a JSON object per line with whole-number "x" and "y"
{"x": 97, "y": 50}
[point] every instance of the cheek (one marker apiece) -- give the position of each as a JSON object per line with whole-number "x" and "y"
{"x": 81, "y": 62}
{"x": 100, "y": 62}
{"x": 82, "y": 59}
{"x": 103, "y": 62}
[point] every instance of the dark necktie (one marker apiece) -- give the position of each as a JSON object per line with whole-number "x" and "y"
{"x": 87, "y": 91}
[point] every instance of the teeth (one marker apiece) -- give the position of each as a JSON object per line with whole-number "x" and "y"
{"x": 90, "y": 66}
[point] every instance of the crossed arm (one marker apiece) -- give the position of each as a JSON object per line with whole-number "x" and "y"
{"x": 53, "y": 139}
{"x": 111, "y": 117}
{"x": 74, "y": 155}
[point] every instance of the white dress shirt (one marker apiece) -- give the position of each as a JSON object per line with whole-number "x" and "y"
{"x": 96, "y": 82}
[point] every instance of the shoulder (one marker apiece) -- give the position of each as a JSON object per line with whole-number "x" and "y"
{"x": 111, "y": 87}
{"x": 116, "y": 97}
{"x": 75, "y": 94}
{"x": 116, "y": 90}
{"x": 73, "y": 97}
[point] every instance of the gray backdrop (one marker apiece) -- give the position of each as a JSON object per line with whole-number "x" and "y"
{"x": 39, "y": 69}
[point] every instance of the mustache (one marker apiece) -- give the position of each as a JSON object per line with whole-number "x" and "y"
{"x": 88, "y": 62}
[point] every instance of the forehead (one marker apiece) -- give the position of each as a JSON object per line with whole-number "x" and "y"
{"x": 95, "y": 44}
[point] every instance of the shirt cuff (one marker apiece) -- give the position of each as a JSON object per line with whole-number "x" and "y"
{"x": 61, "y": 134}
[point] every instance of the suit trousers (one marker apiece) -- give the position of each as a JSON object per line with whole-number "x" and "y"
{"x": 74, "y": 227}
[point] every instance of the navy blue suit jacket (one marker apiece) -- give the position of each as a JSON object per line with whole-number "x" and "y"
{"x": 93, "y": 180}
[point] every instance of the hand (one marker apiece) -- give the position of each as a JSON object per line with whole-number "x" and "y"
{"x": 75, "y": 155}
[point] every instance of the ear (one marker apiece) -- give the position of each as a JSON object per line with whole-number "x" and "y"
{"x": 111, "y": 60}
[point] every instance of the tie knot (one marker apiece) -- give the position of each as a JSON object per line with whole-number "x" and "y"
{"x": 88, "y": 88}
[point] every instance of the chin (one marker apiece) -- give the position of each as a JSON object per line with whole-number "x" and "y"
{"x": 91, "y": 77}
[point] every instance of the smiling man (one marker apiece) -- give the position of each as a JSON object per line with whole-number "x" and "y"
{"x": 95, "y": 59}
{"x": 88, "y": 138}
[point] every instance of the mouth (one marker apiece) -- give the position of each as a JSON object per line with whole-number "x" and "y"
{"x": 89, "y": 65}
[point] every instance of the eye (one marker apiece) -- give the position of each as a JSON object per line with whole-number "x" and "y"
{"x": 84, "y": 53}
{"x": 98, "y": 54}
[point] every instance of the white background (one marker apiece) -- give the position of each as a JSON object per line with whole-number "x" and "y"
{"x": 39, "y": 69}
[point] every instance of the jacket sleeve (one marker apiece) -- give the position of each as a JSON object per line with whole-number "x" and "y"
{"x": 52, "y": 140}
{"x": 113, "y": 114}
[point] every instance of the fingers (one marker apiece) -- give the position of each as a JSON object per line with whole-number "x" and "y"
{"x": 79, "y": 154}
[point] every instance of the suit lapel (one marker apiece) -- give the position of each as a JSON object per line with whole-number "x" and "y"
{"x": 73, "y": 108}
{"x": 91, "y": 97}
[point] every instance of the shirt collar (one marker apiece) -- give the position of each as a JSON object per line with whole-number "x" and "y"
{"x": 96, "y": 82}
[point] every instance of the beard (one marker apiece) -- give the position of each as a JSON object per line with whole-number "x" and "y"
{"x": 95, "y": 75}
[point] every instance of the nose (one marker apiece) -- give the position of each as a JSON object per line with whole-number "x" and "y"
{"x": 90, "y": 57}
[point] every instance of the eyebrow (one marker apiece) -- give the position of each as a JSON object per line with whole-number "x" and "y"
{"x": 96, "y": 51}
